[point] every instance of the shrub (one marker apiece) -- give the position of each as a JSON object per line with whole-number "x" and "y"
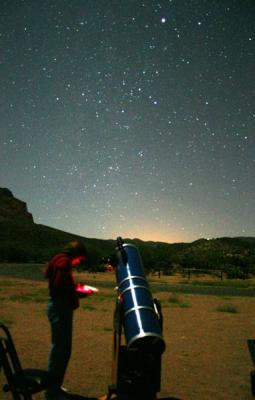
{"x": 235, "y": 272}
{"x": 175, "y": 301}
{"x": 228, "y": 308}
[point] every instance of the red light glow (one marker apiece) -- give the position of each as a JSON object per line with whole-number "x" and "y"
{"x": 77, "y": 260}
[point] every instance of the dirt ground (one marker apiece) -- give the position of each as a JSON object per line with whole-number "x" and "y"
{"x": 206, "y": 356}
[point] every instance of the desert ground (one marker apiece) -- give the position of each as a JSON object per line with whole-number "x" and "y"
{"x": 206, "y": 356}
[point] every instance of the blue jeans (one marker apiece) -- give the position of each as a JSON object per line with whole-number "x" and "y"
{"x": 60, "y": 316}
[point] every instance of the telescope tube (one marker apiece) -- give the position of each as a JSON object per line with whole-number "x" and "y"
{"x": 141, "y": 322}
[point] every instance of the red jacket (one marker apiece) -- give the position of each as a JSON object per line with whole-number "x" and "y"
{"x": 61, "y": 281}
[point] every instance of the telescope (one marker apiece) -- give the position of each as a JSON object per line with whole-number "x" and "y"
{"x": 136, "y": 363}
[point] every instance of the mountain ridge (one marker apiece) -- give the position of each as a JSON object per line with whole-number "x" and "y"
{"x": 22, "y": 240}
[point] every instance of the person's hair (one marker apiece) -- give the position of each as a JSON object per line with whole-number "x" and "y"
{"x": 75, "y": 249}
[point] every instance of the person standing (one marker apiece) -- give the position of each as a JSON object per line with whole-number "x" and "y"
{"x": 63, "y": 301}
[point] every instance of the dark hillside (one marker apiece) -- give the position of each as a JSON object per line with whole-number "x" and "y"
{"x": 21, "y": 240}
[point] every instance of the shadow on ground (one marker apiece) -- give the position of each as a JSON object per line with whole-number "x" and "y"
{"x": 73, "y": 396}
{"x": 78, "y": 397}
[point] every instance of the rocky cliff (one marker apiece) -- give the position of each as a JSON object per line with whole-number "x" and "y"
{"x": 12, "y": 208}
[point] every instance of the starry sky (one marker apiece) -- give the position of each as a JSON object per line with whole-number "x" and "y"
{"x": 130, "y": 118}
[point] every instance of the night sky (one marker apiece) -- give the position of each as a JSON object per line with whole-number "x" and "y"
{"x": 130, "y": 118}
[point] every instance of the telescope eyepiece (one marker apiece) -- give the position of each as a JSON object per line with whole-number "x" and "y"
{"x": 122, "y": 251}
{"x": 120, "y": 243}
